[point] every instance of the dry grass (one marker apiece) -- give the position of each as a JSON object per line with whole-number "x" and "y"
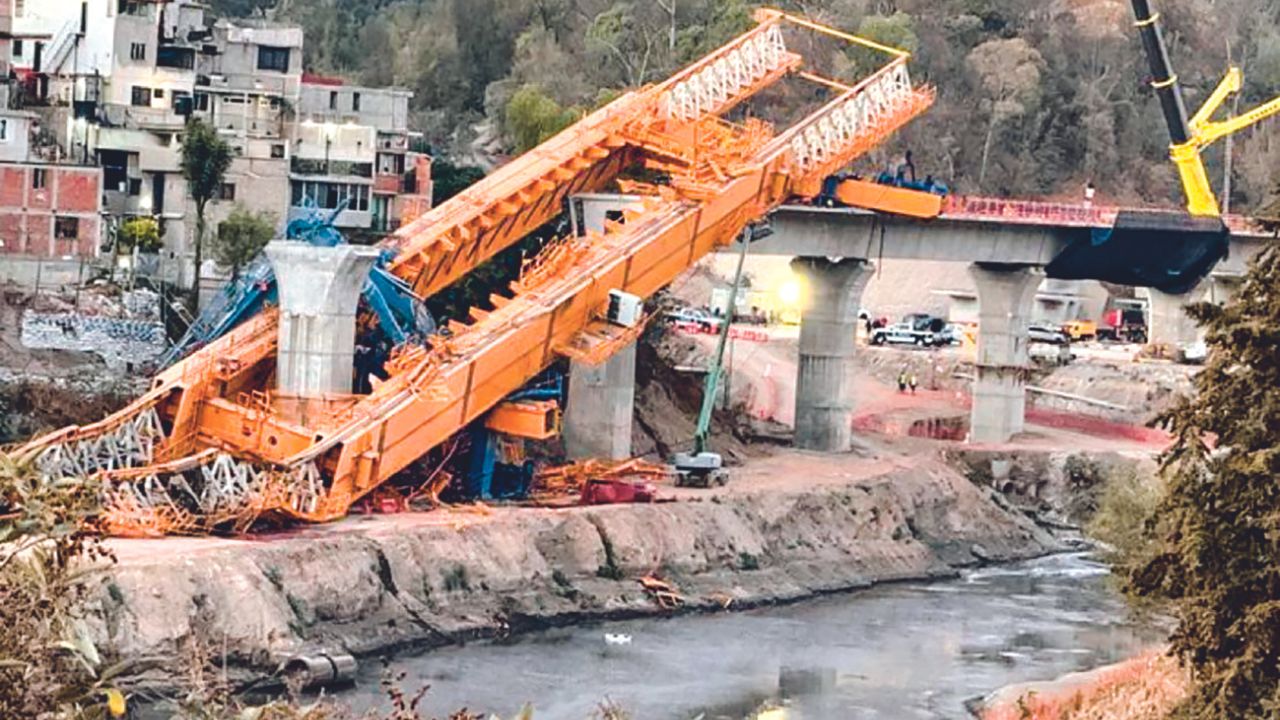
{"x": 1144, "y": 688}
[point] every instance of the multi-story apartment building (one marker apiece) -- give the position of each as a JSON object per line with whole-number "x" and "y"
{"x": 369, "y": 128}
{"x": 121, "y": 79}
{"x": 50, "y": 207}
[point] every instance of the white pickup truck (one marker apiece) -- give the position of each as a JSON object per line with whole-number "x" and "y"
{"x": 903, "y": 334}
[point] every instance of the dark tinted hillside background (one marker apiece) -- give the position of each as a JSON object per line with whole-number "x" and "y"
{"x": 1036, "y": 97}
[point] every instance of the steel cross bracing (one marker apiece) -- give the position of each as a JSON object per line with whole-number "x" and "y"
{"x": 204, "y": 449}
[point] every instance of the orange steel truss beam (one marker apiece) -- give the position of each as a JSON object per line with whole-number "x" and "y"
{"x": 205, "y": 449}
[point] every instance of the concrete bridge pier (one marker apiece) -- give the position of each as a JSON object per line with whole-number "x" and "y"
{"x": 319, "y": 293}
{"x": 1006, "y": 294}
{"x": 828, "y": 328}
{"x": 599, "y": 408}
{"x": 1167, "y": 319}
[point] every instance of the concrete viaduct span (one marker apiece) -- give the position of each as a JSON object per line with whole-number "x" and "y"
{"x": 1007, "y": 245}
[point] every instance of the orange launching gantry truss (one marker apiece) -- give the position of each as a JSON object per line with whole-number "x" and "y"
{"x": 207, "y": 448}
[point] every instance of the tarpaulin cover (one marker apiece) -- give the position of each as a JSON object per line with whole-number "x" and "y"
{"x": 1170, "y": 252}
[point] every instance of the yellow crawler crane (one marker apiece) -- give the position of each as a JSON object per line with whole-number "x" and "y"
{"x": 1190, "y": 137}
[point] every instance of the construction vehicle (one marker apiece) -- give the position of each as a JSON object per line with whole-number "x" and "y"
{"x": 210, "y": 447}
{"x": 1080, "y": 330}
{"x": 1124, "y": 325}
{"x": 1190, "y": 137}
{"x": 703, "y": 468}
{"x": 397, "y": 311}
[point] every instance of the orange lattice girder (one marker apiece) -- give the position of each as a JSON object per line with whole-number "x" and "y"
{"x": 723, "y": 176}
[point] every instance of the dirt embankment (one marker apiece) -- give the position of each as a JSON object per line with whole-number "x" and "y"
{"x": 1059, "y": 488}
{"x": 372, "y": 585}
{"x": 669, "y": 397}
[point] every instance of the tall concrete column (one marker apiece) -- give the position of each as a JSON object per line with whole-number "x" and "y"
{"x": 598, "y": 412}
{"x": 319, "y": 292}
{"x": 1006, "y": 295}
{"x": 1167, "y": 319}
{"x": 828, "y": 328}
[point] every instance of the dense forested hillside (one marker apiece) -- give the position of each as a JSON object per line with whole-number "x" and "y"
{"x": 1036, "y": 97}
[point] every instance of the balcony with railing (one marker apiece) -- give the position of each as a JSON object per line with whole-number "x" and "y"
{"x": 330, "y": 168}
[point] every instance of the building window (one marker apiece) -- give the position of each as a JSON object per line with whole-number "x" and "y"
{"x": 175, "y": 57}
{"x": 141, "y": 96}
{"x": 202, "y": 102}
{"x": 39, "y": 179}
{"x": 138, "y": 51}
{"x": 18, "y": 48}
{"x": 135, "y": 187}
{"x": 355, "y": 102}
{"x": 390, "y": 164}
{"x": 115, "y": 169}
{"x": 277, "y": 151}
{"x": 66, "y": 228}
{"x": 19, "y": 8}
{"x": 159, "y": 93}
{"x": 227, "y": 192}
{"x": 333, "y": 100}
{"x": 329, "y": 196}
{"x": 273, "y": 58}
{"x": 4, "y": 130}
{"x": 137, "y": 8}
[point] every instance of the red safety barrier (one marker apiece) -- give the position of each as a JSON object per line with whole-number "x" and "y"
{"x": 1027, "y": 211}
{"x": 735, "y": 333}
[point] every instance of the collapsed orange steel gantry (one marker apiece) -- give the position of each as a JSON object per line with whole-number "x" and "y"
{"x": 206, "y": 448}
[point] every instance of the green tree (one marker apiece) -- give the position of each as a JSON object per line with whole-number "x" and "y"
{"x": 1008, "y": 73}
{"x": 241, "y": 237}
{"x": 897, "y": 31}
{"x": 138, "y": 232}
{"x": 532, "y": 117}
{"x": 449, "y": 179}
{"x": 1219, "y": 556}
{"x": 205, "y": 160}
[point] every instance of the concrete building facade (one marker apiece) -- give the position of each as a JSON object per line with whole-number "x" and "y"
{"x": 50, "y": 209}
{"x": 353, "y": 142}
{"x": 118, "y": 80}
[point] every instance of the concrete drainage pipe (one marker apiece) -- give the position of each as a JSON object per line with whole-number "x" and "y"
{"x": 321, "y": 669}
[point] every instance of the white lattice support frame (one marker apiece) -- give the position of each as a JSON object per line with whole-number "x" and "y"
{"x": 133, "y": 443}
{"x": 227, "y": 489}
{"x": 866, "y": 107}
{"x": 715, "y": 85}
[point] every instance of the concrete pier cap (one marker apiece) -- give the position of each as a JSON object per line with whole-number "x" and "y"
{"x": 828, "y": 329}
{"x": 319, "y": 291}
{"x": 1006, "y": 294}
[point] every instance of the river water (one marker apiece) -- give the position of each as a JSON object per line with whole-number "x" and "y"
{"x": 903, "y": 651}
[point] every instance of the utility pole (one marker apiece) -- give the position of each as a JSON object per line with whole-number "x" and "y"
{"x": 728, "y": 377}
{"x": 1229, "y": 152}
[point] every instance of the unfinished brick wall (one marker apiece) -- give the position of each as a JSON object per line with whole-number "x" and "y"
{"x": 34, "y": 197}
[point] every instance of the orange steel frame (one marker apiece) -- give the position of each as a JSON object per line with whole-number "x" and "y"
{"x": 209, "y": 419}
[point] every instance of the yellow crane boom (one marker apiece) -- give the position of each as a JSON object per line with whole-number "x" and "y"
{"x": 1191, "y": 137}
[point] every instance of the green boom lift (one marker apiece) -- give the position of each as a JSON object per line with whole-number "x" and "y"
{"x": 703, "y": 468}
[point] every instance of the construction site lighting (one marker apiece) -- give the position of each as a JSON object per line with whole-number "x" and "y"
{"x": 790, "y": 293}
